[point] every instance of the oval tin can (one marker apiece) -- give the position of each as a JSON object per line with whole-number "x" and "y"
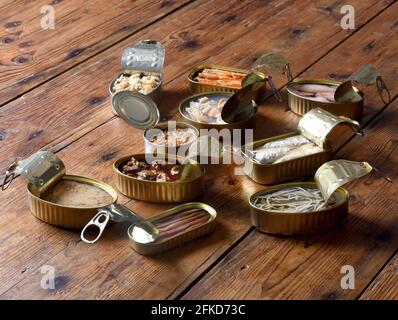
{"x": 301, "y": 105}
{"x": 153, "y": 248}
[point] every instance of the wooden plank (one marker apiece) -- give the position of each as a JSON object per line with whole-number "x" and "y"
{"x": 31, "y": 55}
{"x": 114, "y": 260}
{"x": 385, "y": 286}
{"x": 39, "y": 121}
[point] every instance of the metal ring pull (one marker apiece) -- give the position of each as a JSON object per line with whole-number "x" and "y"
{"x": 275, "y": 91}
{"x": 359, "y": 132}
{"x": 100, "y": 221}
{"x": 381, "y": 88}
{"x": 381, "y": 175}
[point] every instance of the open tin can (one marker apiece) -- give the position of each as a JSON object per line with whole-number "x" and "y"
{"x": 62, "y": 200}
{"x": 168, "y": 230}
{"x": 323, "y": 129}
{"x": 301, "y": 105}
{"x": 223, "y": 110}
{"x": 145, "y": 61}
{"x": 141, "y": 112}
{"x": 328, "y": 181}
{"x": 196, "y": 87}
{"x": 189, "y": 186}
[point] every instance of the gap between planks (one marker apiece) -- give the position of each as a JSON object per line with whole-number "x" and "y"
{"x": 96, "y": 53}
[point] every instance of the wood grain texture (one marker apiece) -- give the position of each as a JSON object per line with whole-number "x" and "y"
{"x": 385, "y": 286}
{"x": 31, "y": 55}
{"x": 41, "y": 121}
{"x": 110, "y": 269}
{"x": 270, "y": 267}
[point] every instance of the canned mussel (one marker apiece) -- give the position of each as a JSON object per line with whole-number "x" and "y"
{"x": 169, "y": 229}
{"x": 159, "y": 178}
{"x": 297, "y": 154}
{"x": 301, "y": 208}
{"x": 59, "y": 199}
{"x": 142, "y": 65}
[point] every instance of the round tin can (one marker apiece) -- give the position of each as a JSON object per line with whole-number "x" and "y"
{"x": 294, "y": 223}
{"x": 153, "y": 191}
{"x": 301, "y": 105}
{"x": 154, "y": 94}
{"x": 66, "y": 216}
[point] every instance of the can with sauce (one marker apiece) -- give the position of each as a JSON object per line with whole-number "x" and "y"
{"x": 143, "y": 61}
{"x": 56, "y": 198}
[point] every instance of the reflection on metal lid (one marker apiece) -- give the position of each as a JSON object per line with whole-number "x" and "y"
{"x": 136, "y": 109}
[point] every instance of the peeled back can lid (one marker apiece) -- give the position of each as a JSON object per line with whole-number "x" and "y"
{"x": 146, "y": 55}
{"x": 137, "y": 109}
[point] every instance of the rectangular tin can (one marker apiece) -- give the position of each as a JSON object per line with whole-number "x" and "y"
{"x": 196, "y": 87}
{"x": 44, "y": 170}
{"x": 152, "y": 191}
{"x": 301, "y": 105}
{"x": 317, "y": 126}
{"x": 180, "y": 239}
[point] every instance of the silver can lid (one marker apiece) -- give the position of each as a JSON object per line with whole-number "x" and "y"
{"x": 136, "y": 109}
{"x": 146, "y": 55}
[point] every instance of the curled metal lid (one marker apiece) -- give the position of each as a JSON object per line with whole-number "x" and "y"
{"x": 137, "y": 109}
{"x": 317, "y": 125}
{"x": 43, "y": 169}
{"x": 333, "y": 174}
{"x": 146, "y": 55}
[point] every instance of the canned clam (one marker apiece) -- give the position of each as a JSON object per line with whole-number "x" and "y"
{"x": 56, "y": 198}
{"x": 307, "y": 207}
{"x": 160, "y": 178}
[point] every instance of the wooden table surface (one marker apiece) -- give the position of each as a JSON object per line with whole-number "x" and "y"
{"x": 54, "y": 96}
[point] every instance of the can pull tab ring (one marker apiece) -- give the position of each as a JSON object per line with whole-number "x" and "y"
{"x": 99, "y": 222}
{"x": 381, "y": 175}
{"x": 275, "y": 91}
{"x": 382, "y": 90}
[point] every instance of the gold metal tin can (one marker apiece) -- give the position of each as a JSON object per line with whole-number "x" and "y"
{"x": 153, "y": 248}
{"x": 287, "y": 170}
{"x": 152, "y": 191}
{"x": 301, "y": 105}
{"x": 146, "y": 56}
{"x": 329, "y": 179}
{"x": 197, "y": 87}
{"x": 293, "y": 223}
{"x": 317, "y": 126}
{"x": 65, "y": 216}
{"x": 248, "y": 123}
{"x": 151, "y": 147}
{"x": 44, "y": 170}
